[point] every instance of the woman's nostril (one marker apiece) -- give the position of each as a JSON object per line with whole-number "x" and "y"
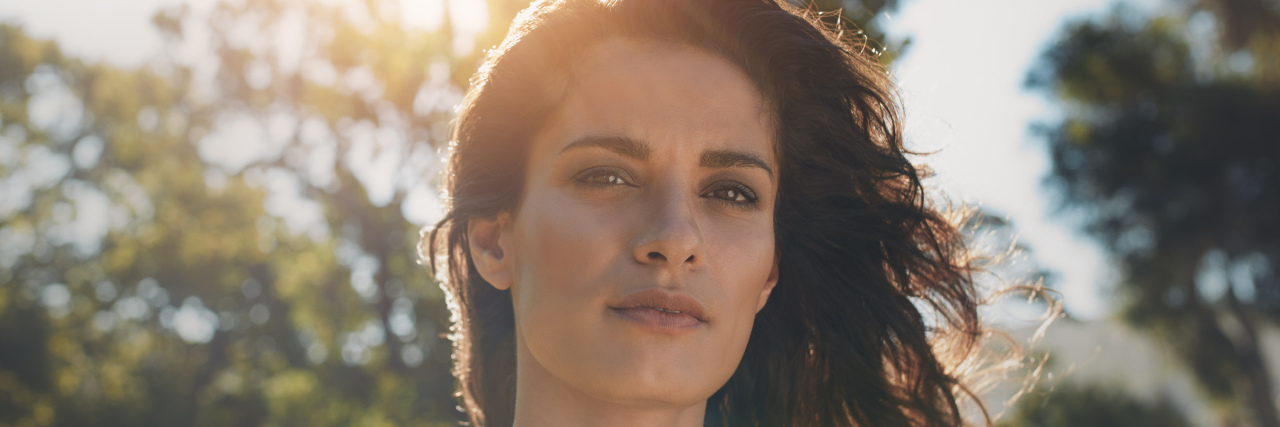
{"x": 657, "y": 256}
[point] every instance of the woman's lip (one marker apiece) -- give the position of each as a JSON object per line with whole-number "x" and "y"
{"x": 659, "y": 304}
{"x": 659, "y": 321}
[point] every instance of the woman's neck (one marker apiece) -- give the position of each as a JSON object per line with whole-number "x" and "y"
{"x": 542, "y": 400}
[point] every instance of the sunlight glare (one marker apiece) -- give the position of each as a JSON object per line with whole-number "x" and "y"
{"x": 425, "y": 15}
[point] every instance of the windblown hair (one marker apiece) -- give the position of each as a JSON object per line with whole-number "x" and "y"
{"x": 844, "y": 339}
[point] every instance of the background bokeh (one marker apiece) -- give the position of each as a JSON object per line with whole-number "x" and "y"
{"x": 209, "y": 208}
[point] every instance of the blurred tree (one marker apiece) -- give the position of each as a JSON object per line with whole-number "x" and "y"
{"x": 226, "y": 236}
{"x": 1073, "y": 405}
{"x": 171, "y": 257}
{"x": 1170, "y": 144}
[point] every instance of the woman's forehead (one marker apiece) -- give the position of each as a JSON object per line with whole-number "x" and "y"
{"x": 658, "y": 91}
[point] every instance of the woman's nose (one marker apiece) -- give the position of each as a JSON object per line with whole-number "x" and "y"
{"x": 669, "y": 234}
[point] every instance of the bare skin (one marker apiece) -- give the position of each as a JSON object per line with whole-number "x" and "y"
{"x": 644, "y": 245}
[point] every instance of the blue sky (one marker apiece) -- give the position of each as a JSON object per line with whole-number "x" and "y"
{"x": 961, "y": 81}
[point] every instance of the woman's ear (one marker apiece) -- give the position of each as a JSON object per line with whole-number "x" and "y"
{"x": 488, "y": 251}
{"x": 768, "y": 286}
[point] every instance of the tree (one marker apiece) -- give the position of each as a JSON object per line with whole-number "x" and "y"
{"x": 1169, "y": 145}
{"x": 152, "y": 274}
{"x": 225, "y": 238}
{"x": 1071, "y": 405}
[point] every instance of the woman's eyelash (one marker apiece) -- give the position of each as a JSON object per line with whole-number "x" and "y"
{"x": 734, "y": 194}
{"x": 598, "y": 177}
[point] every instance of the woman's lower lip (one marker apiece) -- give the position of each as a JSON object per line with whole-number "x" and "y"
{"x": 659, "y": 321}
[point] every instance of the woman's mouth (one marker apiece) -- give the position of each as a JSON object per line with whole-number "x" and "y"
{"x": 661, "y": 311}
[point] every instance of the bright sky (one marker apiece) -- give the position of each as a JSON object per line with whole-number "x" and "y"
{"x": 961, "y": 80}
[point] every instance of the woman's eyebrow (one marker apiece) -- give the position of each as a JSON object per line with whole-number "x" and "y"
{"x": 731, "y": 158}
{"x": 640, "y": 151}
{"x": 618, "y": 144}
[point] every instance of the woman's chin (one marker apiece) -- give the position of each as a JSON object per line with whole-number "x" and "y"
{"x": 655, "y": 376}
{"x": 650, "y": 392}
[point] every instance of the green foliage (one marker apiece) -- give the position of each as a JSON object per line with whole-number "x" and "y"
{"x": 224, "y": 241}
{"x": 1169, "y": 144}
{"x": 146, "y": 284}
{"x": 1072, "y": 405}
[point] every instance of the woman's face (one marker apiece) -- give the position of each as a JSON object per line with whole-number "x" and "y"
{"x": 644, "y": 244}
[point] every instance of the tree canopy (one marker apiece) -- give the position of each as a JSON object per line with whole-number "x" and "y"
{"x": 1169, "y": 144}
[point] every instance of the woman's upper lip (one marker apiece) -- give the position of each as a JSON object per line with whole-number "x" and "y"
{"x": 661, "y": 299}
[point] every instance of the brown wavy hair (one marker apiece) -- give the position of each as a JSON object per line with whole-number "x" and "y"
{"x": 844, "y": 339}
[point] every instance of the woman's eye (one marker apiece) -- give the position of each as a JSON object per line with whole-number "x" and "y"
{"x": 603, "y": 178}
{"x": 736, "y": 195}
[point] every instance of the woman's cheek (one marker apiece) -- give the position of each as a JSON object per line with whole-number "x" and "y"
{"x": 583, "y": 231}
{"x": 742, "y": 258}
{"x": 567, "y": 247}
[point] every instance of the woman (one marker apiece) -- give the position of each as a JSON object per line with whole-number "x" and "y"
{"x": 695, "y": 212}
